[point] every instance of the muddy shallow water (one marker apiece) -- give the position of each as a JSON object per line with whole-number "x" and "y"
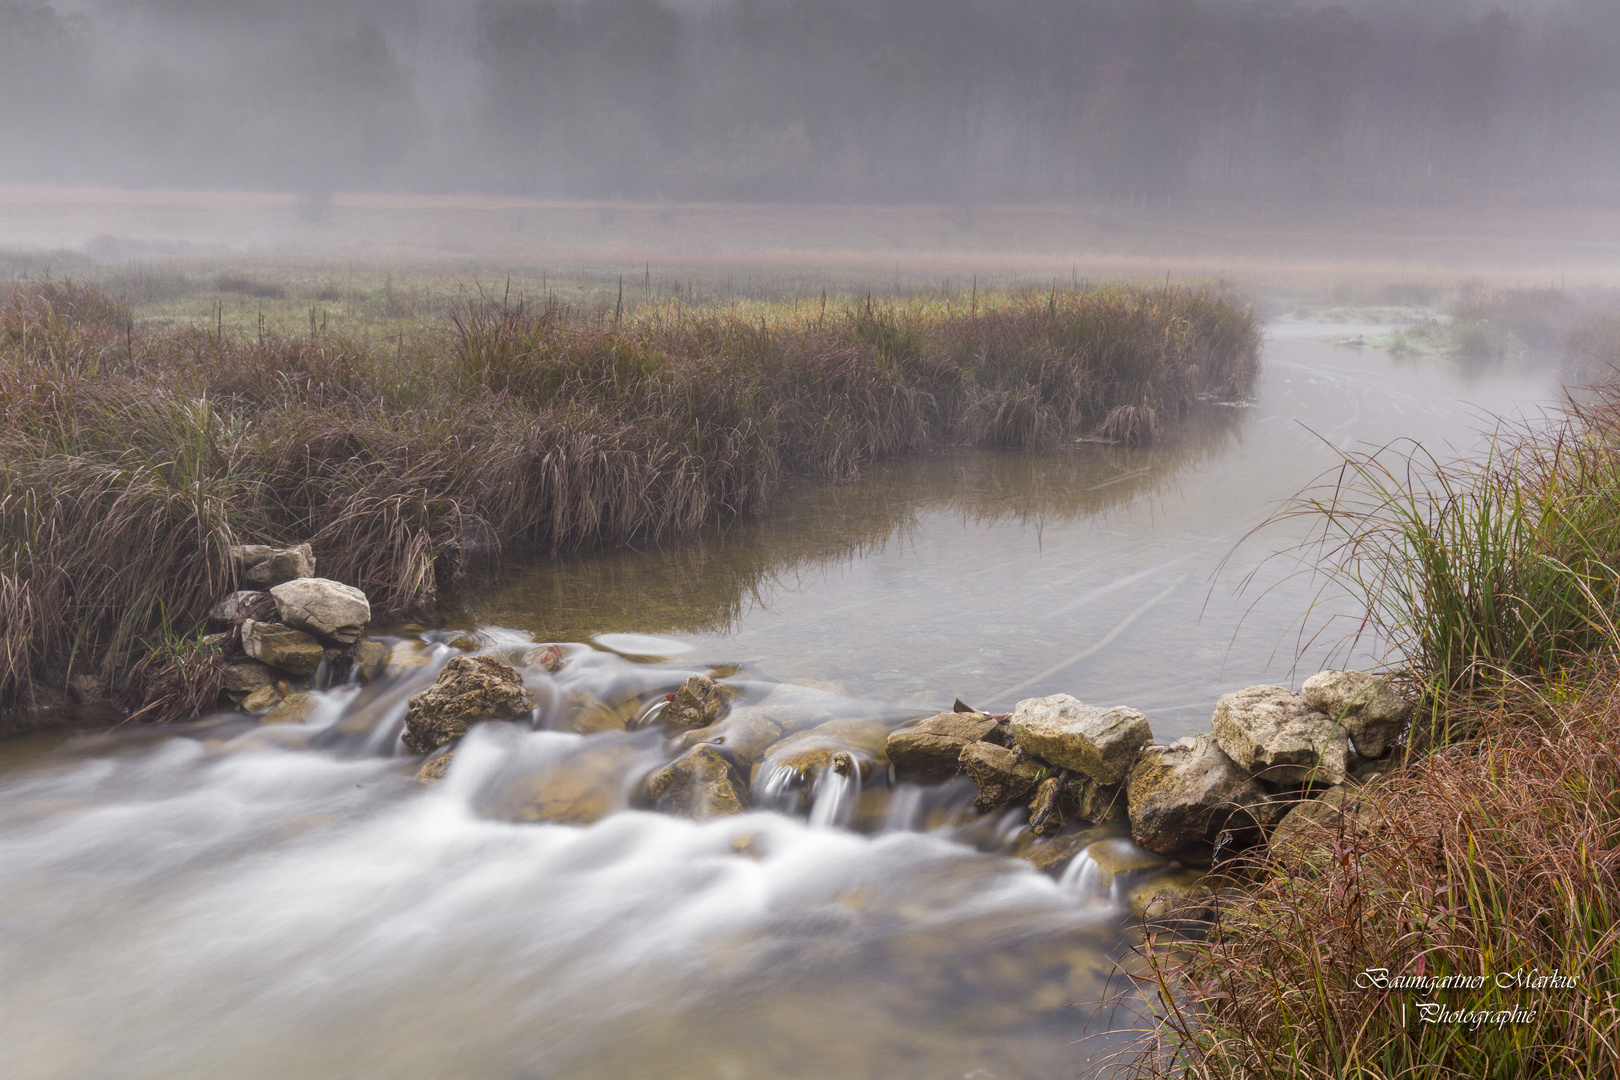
{"x": 230, "y": 899}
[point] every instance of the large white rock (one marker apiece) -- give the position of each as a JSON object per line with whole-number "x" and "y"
{"x": 1270, "y": 730}
{"x": 1371, "y": 712}
{"x": 323, "y": 607}
{"x": 1182, "y": 797}
{"x": 1100, "y": 743}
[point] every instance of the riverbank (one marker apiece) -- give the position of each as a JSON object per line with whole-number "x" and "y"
{"x": 1456, "y": 917}
{"x": 509, "y": 426}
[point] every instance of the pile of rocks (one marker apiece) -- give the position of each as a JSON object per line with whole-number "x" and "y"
{"x": 283, "y": 632}
{"x": 1270, "y": 750}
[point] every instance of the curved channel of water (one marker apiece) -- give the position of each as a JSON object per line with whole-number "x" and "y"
{"x": 234, "y": 899}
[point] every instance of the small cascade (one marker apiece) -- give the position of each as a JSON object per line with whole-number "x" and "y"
{"x": 779, "y": 789}
{"x": 650, "y": 714}
{"x": 838, "y": 789}
{"x": 1084, "y": 878}
{"x": 906, "y": 810}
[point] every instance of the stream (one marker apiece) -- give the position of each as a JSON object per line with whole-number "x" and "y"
{"x": 233, "y": 899}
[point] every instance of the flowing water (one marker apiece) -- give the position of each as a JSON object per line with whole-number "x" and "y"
{"x": 230, "y": 899}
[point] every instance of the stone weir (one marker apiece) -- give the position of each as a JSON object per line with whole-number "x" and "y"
{"x": 1055, "y": 760}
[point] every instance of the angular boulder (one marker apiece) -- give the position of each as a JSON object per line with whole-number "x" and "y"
{"x": 369, "y": 657}
{"x": 261, "y": 699}
{"x": 1098, "y": 743}
{"x": 929, "y": 751}
{"x": 265, "y": 566}
{"x": 293, "y": 709}
{"x": 1181, "y": 797}
{"x": 328, "y": 609}
{"x": 243, "y": 674}
{"x": 698, "y": 703}
{"x": 241, "y": 605}
{"x": 469, "y": 689}
{"x": 1271, "y": 730}
{"x": 1372, "y": 713}
{"x": 699, "y": 784}
{"x": 1000, "y": 775}
{"x": 282, "y": 647}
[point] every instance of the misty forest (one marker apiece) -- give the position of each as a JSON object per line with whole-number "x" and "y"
{"x": 824, "y": 100}
{"x": 802, "y": 539}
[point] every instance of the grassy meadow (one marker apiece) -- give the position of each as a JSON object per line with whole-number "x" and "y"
{"x": 135, "y": 451}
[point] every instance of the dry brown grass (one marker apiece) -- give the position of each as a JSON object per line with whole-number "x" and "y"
{"x": 1496, "y": 856}
{"x": 1496, "y": 848}
{"x": 131, "y": 460}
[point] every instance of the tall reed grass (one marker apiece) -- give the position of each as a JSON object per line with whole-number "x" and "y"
{"x": 1496, "y": 847}
{"x": 1500, "y": 856}
{"x": 1480, "y": 573}
{"x": 131, "y": 459}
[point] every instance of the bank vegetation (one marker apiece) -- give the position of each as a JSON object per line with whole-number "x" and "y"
{"x": 1494, "y": 853}
{"x": 132, "y": 458}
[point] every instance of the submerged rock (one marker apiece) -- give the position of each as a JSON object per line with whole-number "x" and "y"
{"x": 549, "y": 657}
{"x": 282, "y": 647}
{"x": 700, "y": 784}
{"x": 930, "y": 750}
{"x": 1181, "y": 797}
{"x": 586, "y": 714}
{"x": 469, "y": 689}
{"x": 266, "y": 566}
{"x": 743, "y": 736}
{"x": 1098, "y": 743}
{"x": 1184, "y": 894}
{"x": 1271, "y": 730}
{"x": 698, "y": 703}
{"x": 580, "y": 789}
{"x": 327, "y": 609}
{"x": 1000, "y": 775}
{"x": 434, "y": 769}
{"x": 1117, "y": 855}
{"x": 1051, "y": 852}
{"x": 1373, "y": 714}
{"x": 293, "y": 709}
